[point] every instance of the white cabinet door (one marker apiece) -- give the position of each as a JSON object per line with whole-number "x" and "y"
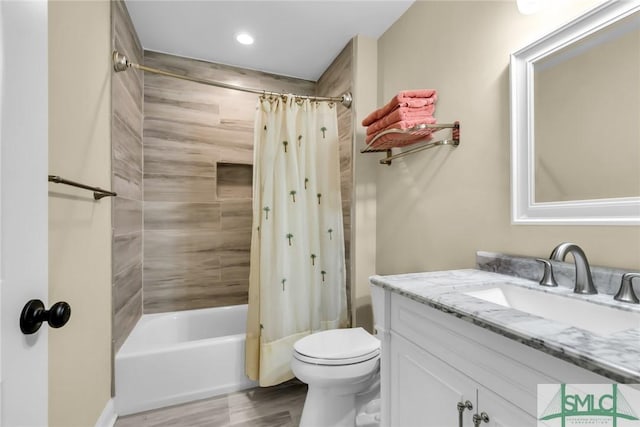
{"x": 501, "y": 412}
{"x": 424, "y": 390}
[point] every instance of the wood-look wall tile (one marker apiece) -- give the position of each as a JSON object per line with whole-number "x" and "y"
{"x": 164, "y": 156}
{"x": 126, "y": 145}
{"x": 127, "y": 251}
{"x": 126, "y": 107}
{"x": 235, "y": 266}
{"x": 180, "y": 101}
{"x": 129, "y": 85}
{"x": 126, "y": 160}
{"x": 230, "y": 104}
{"x": 182, "y": 90}
{"x": 174, "y": 280}
{"x": 224, "y": 73}
{"x": 179, "y": 266}
{"x": 129, "y": 82}
{"x": 235, "y": 181}
{"x": 181, "y": 245}
{"x": 243, "y": 155}
{"x": 126, "y": 177}
{"x": 181, "y": 216}
{"x": 126, "y": 182}
{"x": 125, "y": 319}
{"x": 159, "y": 299}
{"x": 126, "y": 284}
{"x": 236, "y": 215}
{"x": 222, "y": 135}
{"x": 179, "y": 188}
{"x": 233, "y": 241}
{"x": 160, "y": 105}
{"x": 127, "y": 216}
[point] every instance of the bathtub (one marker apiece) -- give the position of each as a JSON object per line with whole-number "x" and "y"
{"x": 177, "y": 357}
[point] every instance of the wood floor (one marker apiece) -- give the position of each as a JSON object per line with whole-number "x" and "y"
{"x": 257, "y": 407}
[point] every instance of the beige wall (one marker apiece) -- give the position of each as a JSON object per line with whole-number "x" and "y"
{"x": 79, "y": 227}
{"x": 435, "y": 209}
{"x": 365, "y": 78}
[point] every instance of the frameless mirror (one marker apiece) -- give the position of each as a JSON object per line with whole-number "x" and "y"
{"x": 575, "y": 121}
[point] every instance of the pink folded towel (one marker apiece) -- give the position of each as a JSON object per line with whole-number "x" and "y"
{"x": 401, "y": 114}
{"x": 404, "y": 124}
{"x": 408, "y": 98}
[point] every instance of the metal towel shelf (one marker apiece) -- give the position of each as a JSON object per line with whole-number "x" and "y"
{"x": 418, "y": 130}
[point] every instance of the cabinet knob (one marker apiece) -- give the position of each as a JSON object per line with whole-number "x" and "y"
{"x": 33, "y": 314}
{"x": 461, "y": 407}
{"x": 480, "y": 418}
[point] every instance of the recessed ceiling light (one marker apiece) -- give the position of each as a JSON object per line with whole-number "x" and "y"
{"x": 528, "y": 7}
{"x": 244, "y": 38}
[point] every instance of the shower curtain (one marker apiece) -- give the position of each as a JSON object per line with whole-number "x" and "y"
{"x": 297, "y": 276}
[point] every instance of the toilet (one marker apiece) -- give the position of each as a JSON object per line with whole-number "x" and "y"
{"x": 342, "y": 369}
{"x": 340, "y": 366}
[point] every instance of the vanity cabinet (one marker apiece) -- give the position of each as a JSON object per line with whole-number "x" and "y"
{"x": 436, "y": 360}
{"x": 426, "y": 390}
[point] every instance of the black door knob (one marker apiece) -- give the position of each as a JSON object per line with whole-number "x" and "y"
{"x": 33, "y": 314}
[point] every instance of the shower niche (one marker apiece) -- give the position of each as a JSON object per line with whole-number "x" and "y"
{"x": 234, "y": 180}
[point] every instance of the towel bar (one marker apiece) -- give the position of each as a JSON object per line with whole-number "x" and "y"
{"x": 98, "y": 193}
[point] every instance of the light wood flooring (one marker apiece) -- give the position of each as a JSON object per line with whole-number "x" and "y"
{"x": 276, "y": 406}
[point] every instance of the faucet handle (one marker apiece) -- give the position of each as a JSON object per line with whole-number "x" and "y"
{"x": 547, "y": 278}
{"x": 625, "y": 293}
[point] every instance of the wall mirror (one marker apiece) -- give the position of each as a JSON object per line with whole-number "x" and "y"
{"x": 575, "y": 121}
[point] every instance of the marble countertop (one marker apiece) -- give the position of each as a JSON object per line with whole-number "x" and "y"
{"x": 615, "y": 356}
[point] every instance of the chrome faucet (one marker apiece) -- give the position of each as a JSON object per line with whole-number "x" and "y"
{"x": 584, "y": 282}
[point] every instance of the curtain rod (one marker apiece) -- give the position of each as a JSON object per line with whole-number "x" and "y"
{"x": 121, "y": 63}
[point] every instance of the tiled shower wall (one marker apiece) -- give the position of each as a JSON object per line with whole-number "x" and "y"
{"x": 198, "y": 152}
{"x": 126, "y": 176}
{"x": 192, "y": 187}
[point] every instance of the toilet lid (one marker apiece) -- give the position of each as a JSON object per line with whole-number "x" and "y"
{"x": 338, "y": 344}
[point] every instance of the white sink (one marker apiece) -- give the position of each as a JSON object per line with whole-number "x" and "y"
{"x": 599, "y": 319}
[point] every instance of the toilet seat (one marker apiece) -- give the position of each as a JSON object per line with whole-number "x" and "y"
{"x": 337, "y": 347}
{"x": 333, "y": 362}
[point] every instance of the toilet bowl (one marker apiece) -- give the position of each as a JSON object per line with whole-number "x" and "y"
{"x": 341, "y": 368}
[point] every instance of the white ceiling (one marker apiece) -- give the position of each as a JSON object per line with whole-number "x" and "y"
{"x": 298, "y": 38}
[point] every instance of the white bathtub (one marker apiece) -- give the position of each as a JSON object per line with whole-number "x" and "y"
{"x": 176, "y": 357}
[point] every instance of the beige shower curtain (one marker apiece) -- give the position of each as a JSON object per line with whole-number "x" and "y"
{"x": 297, "y": 278}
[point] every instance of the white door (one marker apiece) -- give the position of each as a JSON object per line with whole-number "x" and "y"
{"x": 23, "y": 208}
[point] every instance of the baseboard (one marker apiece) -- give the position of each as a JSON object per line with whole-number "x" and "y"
{"x": 108, "y": 417}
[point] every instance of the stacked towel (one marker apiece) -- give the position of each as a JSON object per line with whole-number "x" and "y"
{"x": 405, "y": 110}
